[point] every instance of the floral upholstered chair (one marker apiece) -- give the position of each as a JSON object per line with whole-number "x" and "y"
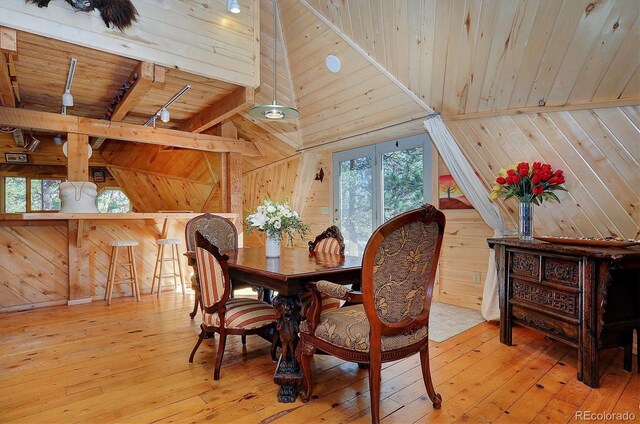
{"x": 331, "y": 242}
{"x": 220, "y": 232}
{"x": 223, "y": 315}
{"x": 398, "y": 273}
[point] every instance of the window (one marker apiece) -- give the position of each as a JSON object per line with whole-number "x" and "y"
{"x": 43, "y": 194}
{"x": 113, "y": 200}
{"x": 375, "y": 183}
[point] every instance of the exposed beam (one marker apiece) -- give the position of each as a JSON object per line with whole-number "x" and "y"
{"x": 97, "y": 142}
{"x": 6, "y": 88}
{"x": 223, "y": 109}
{"x": 632, "y": 101}
{"x": 77, "y": 157}
{"x": 33, "y": 120}
{"x": 145, "y": 72}
{"x": 8, "y": 40}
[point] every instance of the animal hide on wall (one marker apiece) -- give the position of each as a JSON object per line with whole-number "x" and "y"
{"x": 119, "y": 13}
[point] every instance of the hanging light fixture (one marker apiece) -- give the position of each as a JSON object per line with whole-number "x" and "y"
{"x": 274, "y": 111}
{"x": 67, "y": 97}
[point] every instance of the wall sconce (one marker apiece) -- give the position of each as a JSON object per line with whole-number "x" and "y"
{"x": 319, "y": 175}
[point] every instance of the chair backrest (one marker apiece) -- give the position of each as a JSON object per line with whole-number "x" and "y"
{"x": 218, "y": 230}
{"x": 398, "y": 271}
{"x": 212, "y": 272}
{"x": 329, "y": 241}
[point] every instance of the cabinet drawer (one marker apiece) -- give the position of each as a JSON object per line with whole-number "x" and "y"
{"x": 524, "y": 264}
{"x": 565, "y": 303}
{"x": 555, "y": 328}
{"x": 562, "y": 271}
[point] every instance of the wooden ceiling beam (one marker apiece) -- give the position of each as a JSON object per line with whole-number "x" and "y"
{"x": 46, "y": 121}
{"x": 145, "y": 75}
{"x": 8, "y": 46}
{"x": 240, "y": 98}
{"x": 632, "y": 101}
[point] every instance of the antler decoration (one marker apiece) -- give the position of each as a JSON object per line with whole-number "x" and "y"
{"x": 119, "y": 13}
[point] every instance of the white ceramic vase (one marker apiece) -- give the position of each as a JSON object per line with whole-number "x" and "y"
{"x": 272, "y": 247}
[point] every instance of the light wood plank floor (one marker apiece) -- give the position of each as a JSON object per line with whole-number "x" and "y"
{"x": 128, "y": 363}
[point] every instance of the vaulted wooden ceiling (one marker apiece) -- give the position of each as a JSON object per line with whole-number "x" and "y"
{"x": 401, "y": 59}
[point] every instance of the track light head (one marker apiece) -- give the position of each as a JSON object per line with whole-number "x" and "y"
{"x": 67, "y": 99}
{"x": 165, "y": 116}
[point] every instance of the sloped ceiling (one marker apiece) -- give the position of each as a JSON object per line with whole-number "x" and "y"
{"x": 486, "y": 66}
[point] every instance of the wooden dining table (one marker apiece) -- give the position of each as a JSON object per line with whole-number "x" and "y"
{"x": 289, "y": 275}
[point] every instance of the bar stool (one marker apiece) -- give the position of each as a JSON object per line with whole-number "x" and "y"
{"x": 158, "y": 273}
{"x": 130, "y": 265}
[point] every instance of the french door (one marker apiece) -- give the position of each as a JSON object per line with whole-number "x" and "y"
{"x": 375, "y": 183}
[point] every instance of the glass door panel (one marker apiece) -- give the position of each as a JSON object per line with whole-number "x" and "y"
{"x": 353, "y": 200}
{"x": 402, "y": 181}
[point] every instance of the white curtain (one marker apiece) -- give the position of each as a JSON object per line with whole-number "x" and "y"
{"x": 477, "y": 194}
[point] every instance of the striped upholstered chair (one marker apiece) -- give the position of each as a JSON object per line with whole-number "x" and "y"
{"x": 225, "y": 315}
{"x": 330, "y": 241}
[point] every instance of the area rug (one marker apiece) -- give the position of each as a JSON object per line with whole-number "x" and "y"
{"x": 447, "y": 320}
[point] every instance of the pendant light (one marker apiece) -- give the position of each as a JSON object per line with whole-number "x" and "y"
{"x": 274, "y": 111}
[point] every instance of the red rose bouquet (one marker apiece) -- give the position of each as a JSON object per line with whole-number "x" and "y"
{"x": 530, "y": 184}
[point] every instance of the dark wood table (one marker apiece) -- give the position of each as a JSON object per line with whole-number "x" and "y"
{"x": 289, "y": 275}
{"x": 587, "y": 297}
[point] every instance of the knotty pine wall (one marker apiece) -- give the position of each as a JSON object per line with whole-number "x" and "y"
{"x": 221, "y": 45}
{"x": 33, "y": 276}
{"x": 163, "y": 178}
{"x": 598, "y": 149}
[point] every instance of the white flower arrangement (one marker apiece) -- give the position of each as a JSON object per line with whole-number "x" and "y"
{"x": 276, "y": 220}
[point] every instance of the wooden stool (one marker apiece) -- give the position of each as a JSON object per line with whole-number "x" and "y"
{"x": 158, "y": 273}
{"x": 131, "y": 265}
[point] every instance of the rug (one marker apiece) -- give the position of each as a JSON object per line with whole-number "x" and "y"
{"x": 447, "y": 320}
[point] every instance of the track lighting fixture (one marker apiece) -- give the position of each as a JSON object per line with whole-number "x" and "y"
{"x": 163, "y": 112}
{"x": 67, "y": 97}
{"x": 33, "y": 144}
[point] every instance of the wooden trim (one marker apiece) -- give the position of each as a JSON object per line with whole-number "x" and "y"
{"x": 632, "y": 101}
{"x": 143, "y": 84}
{"x": 121, "y": 131}
{"x": 223, "y": 109}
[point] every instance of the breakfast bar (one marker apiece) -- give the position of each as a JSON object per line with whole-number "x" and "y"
{"x": 63, "y": 258}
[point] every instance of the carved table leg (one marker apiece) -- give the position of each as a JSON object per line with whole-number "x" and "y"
{"x": 288, "y": 374}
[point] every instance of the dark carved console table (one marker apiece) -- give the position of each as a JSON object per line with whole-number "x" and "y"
{"x": 587, "y": 297}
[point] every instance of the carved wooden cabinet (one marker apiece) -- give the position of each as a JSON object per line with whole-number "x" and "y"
{"x": 586, "y": 297}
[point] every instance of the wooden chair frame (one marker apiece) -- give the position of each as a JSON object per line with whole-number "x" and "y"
{"x": 189, "y": 235}
{"x": 375, "y": 356}
{"x": 268, "y": 332}
{"x": 331, "y": 232}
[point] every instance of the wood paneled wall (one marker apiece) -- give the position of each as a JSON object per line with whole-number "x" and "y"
{"x": 164, "y": 178}
{"x": 598, "y": 150}
{"x": 33, "y": 276}
{"x": 466, "y": 56}
{"x": 221, "y": 45}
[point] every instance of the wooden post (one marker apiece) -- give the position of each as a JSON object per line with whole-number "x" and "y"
{"x": 77, "y": 157}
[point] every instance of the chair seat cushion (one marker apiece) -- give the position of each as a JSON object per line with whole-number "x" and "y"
{"x": 242, "y": 313}
{"x": 348, "y": 328}
{"x": 328, "y": 303}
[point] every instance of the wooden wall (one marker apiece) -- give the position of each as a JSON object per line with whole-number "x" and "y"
{"x": 598, "y": 151}
{"x": 221, "y": 45}
{"x": 163, "y": 178}
{"x": 33, "y": 276}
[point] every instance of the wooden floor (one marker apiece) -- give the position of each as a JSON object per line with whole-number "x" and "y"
{"x": 128, "y": 363}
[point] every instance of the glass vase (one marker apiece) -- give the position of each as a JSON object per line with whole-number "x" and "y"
{"x": 272, "y": 247}
{"x": 525, "y": 225}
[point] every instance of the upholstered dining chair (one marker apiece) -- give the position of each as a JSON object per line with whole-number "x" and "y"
{"x": 398, "y": 273}
{"x": 225, "y": 315}
{"x": 220, "y": 232}
{"x": 330, "y": 241}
